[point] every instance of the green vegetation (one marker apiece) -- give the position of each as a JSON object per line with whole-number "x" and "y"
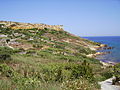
{"x": 79, "y": 84}
{"x": 48, "y": 60}
{"x": 5, "y": 53}
{"x": 85, "y": 50}
{"x": 31, "y": 75}
{"x": 116, "y": 73}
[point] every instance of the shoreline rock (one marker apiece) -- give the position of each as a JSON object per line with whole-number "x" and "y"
{"x": 96, "y": 54}
{"x": 102, "y": 47}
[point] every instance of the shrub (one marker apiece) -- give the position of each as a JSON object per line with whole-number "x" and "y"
{"x": 1, "y": 25}
{"x": 7, "y": 50}
{"x": 5, "y": 53}
{"x": 79, "y": 84}
{"x": 116, "y": 70}
{"x": 84, "y": 50}
{"x": 6, "y": 70}
{"x": 5, "y": 56}
{"x": 61, "y": 72}
{"x": 52, "y": 73}
{"x": 107, "y": 74}
{"x": 116, "y": 73}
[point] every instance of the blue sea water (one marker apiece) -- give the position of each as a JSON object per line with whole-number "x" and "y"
{"x": 112, "y": 41}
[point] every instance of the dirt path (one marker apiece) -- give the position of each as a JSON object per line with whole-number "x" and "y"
{"x": 107, "y": 85}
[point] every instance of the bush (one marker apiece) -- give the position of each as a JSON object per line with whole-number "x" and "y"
{"x": 117, "y": 70}
{"x": 6, "y": 50}
{"x": 107, "y": 74}
{"x": 116, "y": 73}
{"x": 5, "y": 56}
{"x": 79, "y": 84}
{"x": 61, "y": 72}
{"x": 5, "y": 53}
{"x": 85, "y": 50}
{"x": 6, "y": 70}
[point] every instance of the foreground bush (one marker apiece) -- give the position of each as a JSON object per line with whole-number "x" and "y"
{"x": 62, "y": 72}
{"x": 116, "y": 73}
{"x": 68, "y": 74}
{"x": 78, "y": 84}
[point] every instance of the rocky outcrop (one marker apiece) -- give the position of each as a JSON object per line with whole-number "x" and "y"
{"x": 18, "y": 25}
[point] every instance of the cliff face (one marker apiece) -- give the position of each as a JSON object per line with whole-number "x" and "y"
{"x": 18, "y": 25}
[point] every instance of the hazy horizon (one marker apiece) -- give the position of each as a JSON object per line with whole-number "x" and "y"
{"x": 80, "y": 17}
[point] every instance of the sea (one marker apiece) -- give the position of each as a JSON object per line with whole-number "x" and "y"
{"x": 112, "y": 41}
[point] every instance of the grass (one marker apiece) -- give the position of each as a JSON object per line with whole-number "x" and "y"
{"x": 34, "y": 77}
{"x": 36, "y": 70}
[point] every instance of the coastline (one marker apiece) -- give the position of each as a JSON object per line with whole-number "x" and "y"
{"x": 113, "y": 48}
{"x": 105, "y": 63}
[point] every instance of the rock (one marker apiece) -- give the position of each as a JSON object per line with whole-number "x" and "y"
{"x": 98, "y": 53}
{"x": 97, "y": 47}
{"x": 103, "y": 45}
{"x": 90, "y": 55}
{"x": 110, "y": 48}
{"x": 3, "y": 35}
{"x": 18, "y": 25}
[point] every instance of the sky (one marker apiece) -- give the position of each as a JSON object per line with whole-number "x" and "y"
{"x": 80, "y": 17}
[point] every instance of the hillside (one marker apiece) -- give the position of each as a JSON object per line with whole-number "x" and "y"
{"x": 35, "y": 55}
{"x": 48, "y": 33}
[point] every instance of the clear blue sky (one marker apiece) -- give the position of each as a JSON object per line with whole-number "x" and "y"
{"x": 80, "y": 17}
